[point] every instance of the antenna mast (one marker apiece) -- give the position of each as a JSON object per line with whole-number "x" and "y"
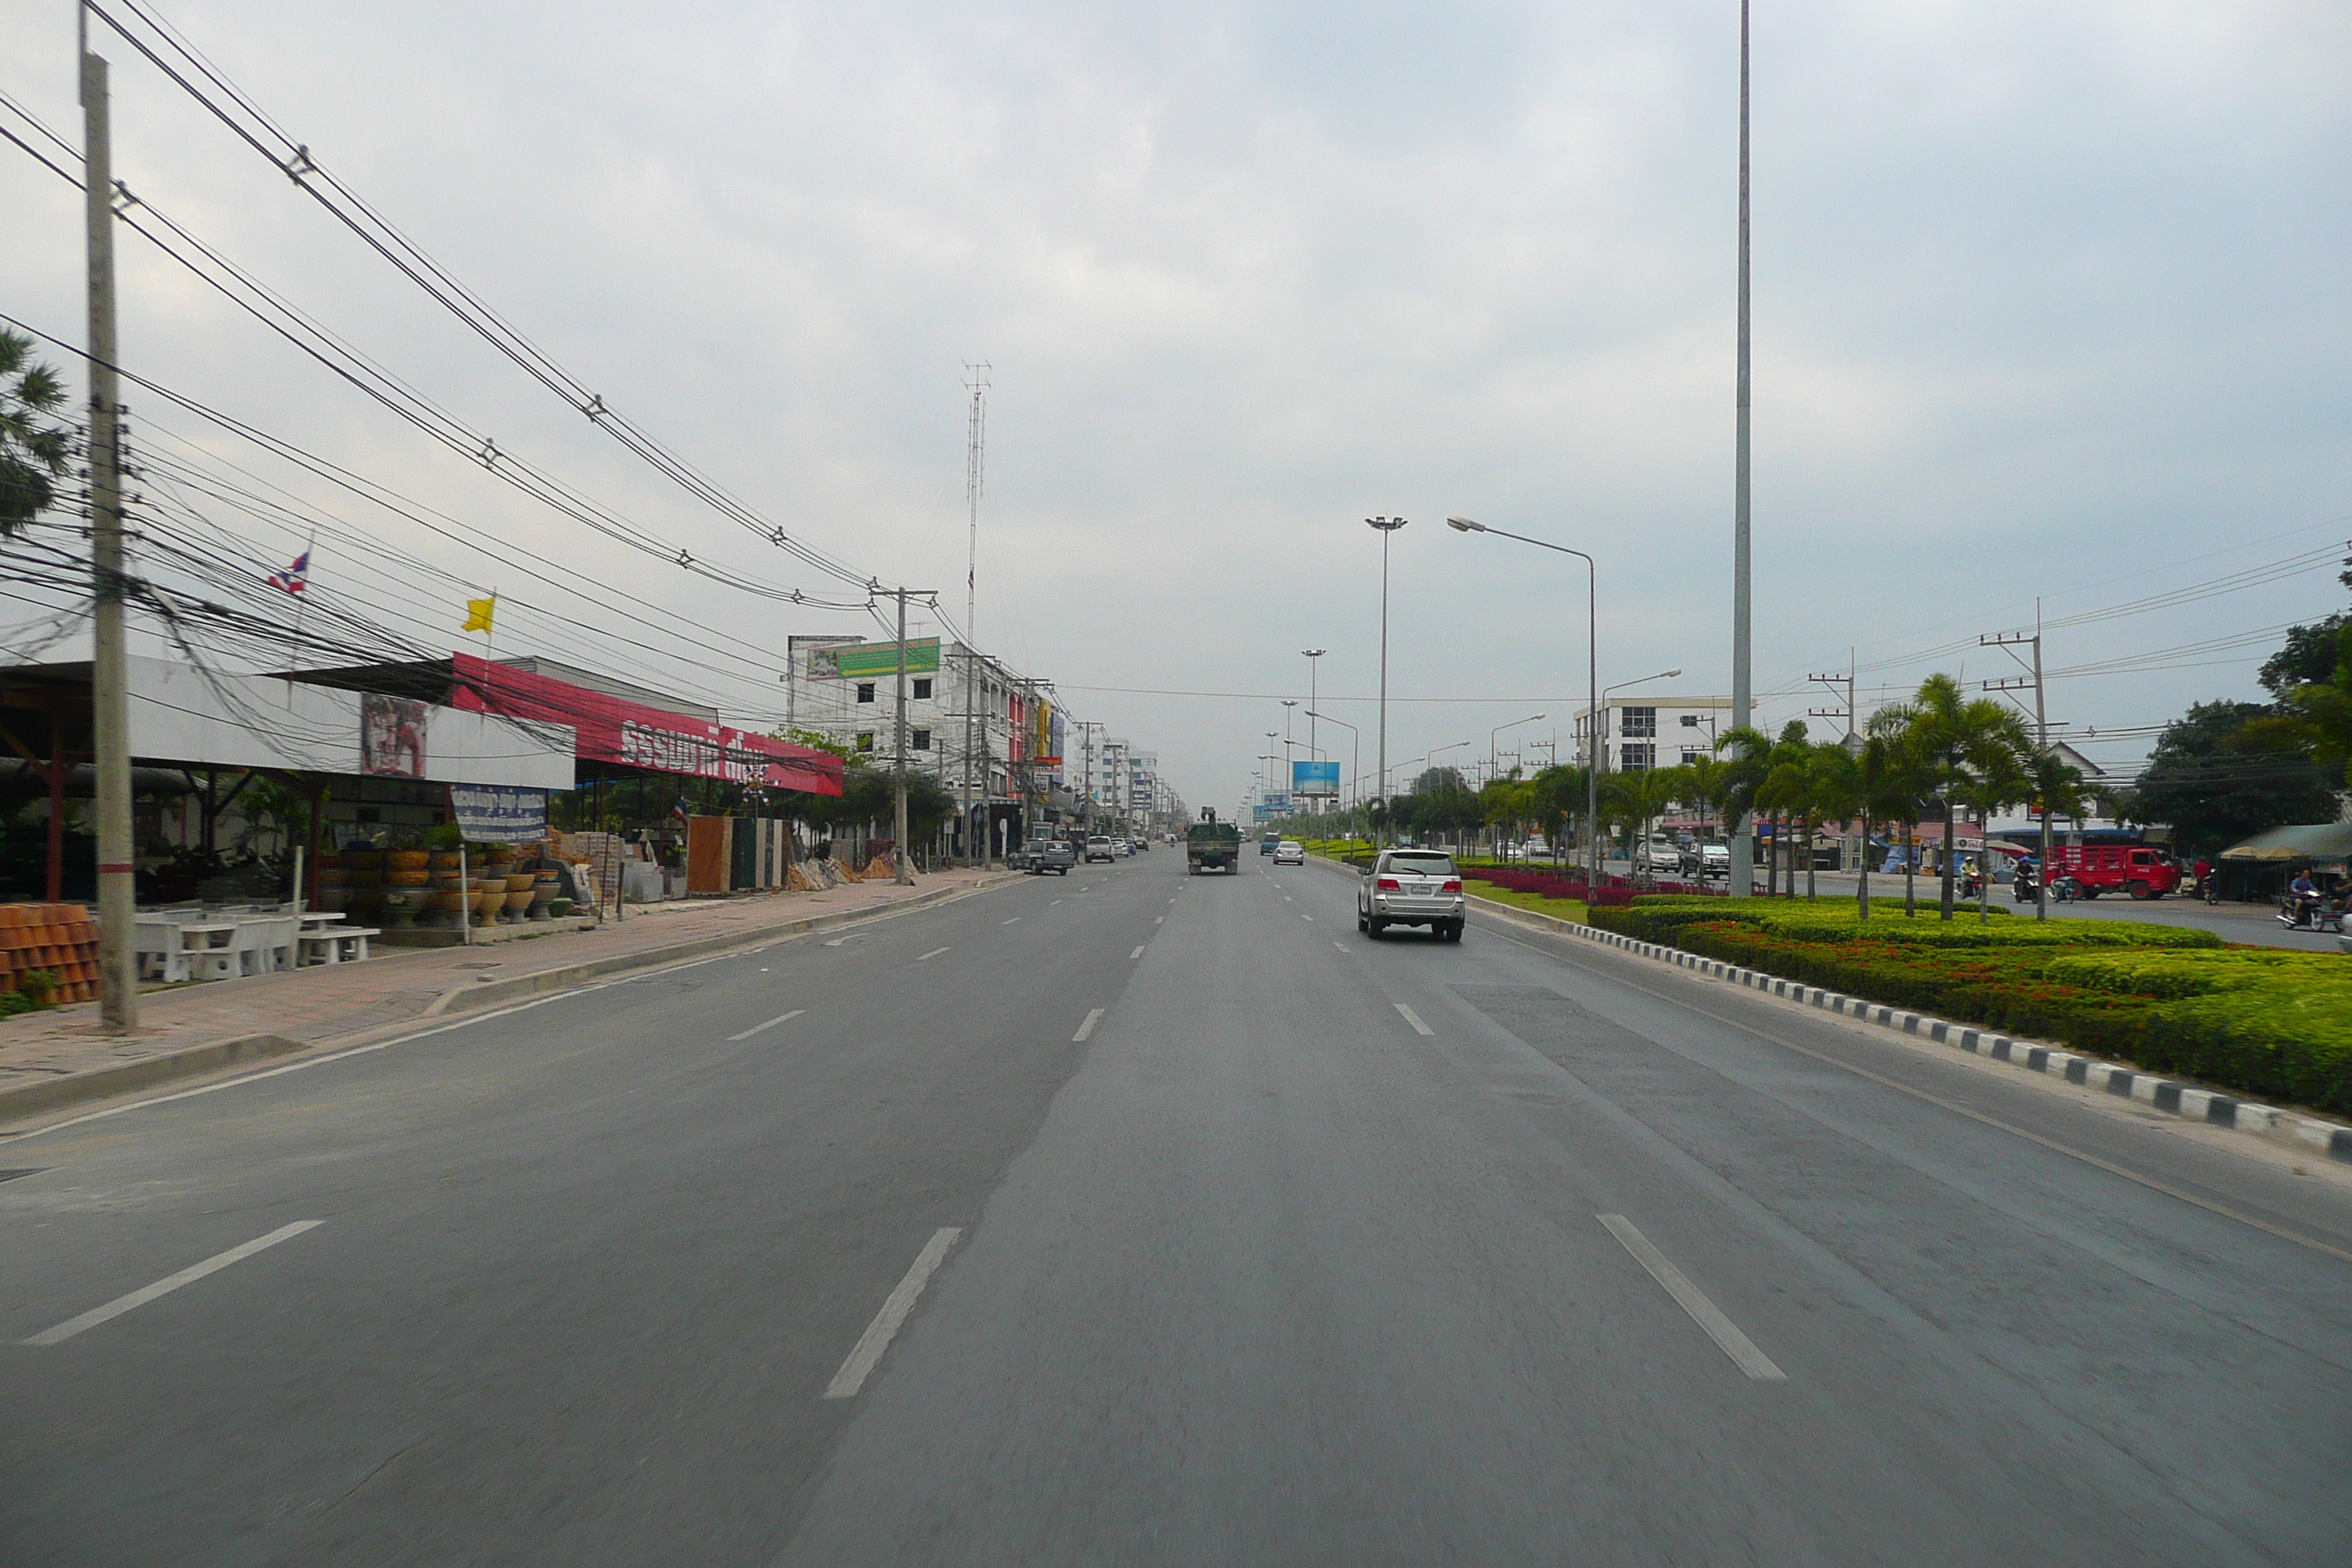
{"x": 974, "y": 481}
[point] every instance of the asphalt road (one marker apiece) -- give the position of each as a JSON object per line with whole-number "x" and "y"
{"x": 1313, "y": 1249}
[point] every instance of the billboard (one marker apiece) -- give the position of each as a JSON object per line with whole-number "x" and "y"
{"x": 1263, "y": 813}
{"x": 1315, "y": 778}
{"x": 871, "y": 661}
{"x": 1276, "y": 802}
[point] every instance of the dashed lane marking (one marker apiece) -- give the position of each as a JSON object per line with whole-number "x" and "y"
{"x": 1138, "y": 950}
{"x": 935, "y": 953}
{"x": 895, "y": 1308}
{"x": 1692, "y": 1299}
{"x": 757, "y": 1028}
{"x": 169, "y": 1283}
{"x": 1414, "y": 1019}
{"x": 1087, "y": 1028}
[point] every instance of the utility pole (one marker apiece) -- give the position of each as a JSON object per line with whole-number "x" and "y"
{"x": 906, "y": 878}
{"x": 2008, "y": 642}
{"x": 1314, "y": 656}
{"x": 1836, "y": 682}
{"x": 975, "y": 453}
{"x": 1387, "y": 525}
{"x": 1743, "y": 832}
{"x": 117, "y": 974}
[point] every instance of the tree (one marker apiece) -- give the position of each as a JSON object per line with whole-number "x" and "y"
{"x": 1962, "y": 741}
{"x": 1870, "y": 782}
{"x": 1743, "y": 772}
{"x": 2208, "y": 782}
{"x": 1704, "y": 789}
{"x": 1639, "y": 797}
{"x": 33, "y": 447}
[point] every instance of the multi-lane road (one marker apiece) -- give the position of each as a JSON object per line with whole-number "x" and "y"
{"x": 1129, "y": 1218}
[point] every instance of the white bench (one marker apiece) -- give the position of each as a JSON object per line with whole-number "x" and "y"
{"x": 337, "y": 944}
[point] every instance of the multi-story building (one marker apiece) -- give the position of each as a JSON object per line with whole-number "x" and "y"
{"x": 1642, "y": 732}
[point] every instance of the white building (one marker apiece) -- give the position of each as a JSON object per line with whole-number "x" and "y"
{"x": 1642, "y": 732}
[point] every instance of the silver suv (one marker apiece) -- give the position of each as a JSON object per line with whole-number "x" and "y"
{"x": 1411, "y": 887}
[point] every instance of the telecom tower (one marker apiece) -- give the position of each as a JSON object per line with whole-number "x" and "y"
{"x": 974, "y": 477}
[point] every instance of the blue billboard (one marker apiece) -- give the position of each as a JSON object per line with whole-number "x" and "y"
{"x": 1315, "y": 778}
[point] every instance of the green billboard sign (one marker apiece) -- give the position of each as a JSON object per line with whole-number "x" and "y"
{"x": 868, "y": 660}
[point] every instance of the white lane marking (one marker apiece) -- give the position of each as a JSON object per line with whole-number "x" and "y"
{"x": 853, "y": 936}
{"x": 1016, "y": 918}
{"x": 935, "y": 953}
{"x": 895, "y": 1308}
{"x": 770, "y": 1023}
{"x": 1157, "y": 920}
{"x": 1138, "y": 950}
{"x": 1704, "y": 1312}
{"x": 1414, "y": 1019}
{"x": 1305, "y": 916}
{"x": 164, "y": 1287}
{"x": 1340, "y": 945}
{"x": 1056, "y": 902}
{"x": 1087, "y": 1027}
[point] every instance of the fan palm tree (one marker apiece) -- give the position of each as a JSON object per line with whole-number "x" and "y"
{"x": 1960, "y": 741}
{"x": 33, "y": 448}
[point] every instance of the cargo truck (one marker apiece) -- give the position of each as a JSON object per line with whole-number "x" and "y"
{"x": 1212, "y": 845}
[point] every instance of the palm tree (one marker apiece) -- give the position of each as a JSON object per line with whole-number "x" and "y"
{"x": 1639, "y": 797}
{"x": 2057, "y": 785}
{"x": 1960, "y": 741}
{"x": 33, "y": 450}
{"x": 1705, "y": 788}
{"x": 1744, "y": 772}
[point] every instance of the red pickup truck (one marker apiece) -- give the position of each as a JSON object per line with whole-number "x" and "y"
{"x": 2132, "y": 868}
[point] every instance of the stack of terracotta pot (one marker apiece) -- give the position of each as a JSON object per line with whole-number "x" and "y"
{"x": 59, "y": 939}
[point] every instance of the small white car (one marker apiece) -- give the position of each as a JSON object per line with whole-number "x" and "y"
{"x": 1099, "y": 848}
{"x": 1290, "y": 852}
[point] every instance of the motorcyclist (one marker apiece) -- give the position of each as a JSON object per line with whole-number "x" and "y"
{"x": 2303, "y": 896}
{"x": 2021, "y": 880}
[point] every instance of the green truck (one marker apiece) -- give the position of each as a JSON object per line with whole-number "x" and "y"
{"x": 1212, "y": 845}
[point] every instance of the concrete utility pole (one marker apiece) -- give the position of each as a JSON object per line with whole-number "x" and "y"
{"x": 1387, "y": 525}
{"x": 974, "y": 481}
{"x": 906, "y": 877}
{"x": 117, "y": 974}
{"x": 1314, "y": 656}
{"x": 2008, "y": 641}
{"x": 1743, "y": 832}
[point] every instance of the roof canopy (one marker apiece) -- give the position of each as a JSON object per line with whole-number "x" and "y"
{"x": 2304, "y": 841}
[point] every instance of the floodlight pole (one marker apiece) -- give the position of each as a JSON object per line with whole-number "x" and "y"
{"x": 1387, "y": 525}
{"x": 1743, "y": 835}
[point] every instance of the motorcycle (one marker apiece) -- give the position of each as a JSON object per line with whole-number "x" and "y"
{"x": 2312, "y": 913}
{"x": 2021, "y": 888}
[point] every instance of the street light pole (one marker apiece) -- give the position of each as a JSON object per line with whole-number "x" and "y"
{"x": 1356, "y": 750}
{"x": 1314, "y": 656}
{"x": 1642, "y": 681}
{"x": 1592, "y": 684}
{"x": 1387, "y": 525}
{"x": 1743, "y": 850}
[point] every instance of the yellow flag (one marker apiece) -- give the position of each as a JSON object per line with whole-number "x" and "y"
{"x": 478, "y": 613}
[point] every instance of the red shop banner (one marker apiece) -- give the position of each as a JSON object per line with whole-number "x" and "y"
{"x": 614, "y": 729}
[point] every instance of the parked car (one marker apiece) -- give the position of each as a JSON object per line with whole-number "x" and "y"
{"x": 1411, "y": 887}
{"x": 1099, "y": 848}
{"x": 1290, "y": 852}
{"x": 1055, "y": 855}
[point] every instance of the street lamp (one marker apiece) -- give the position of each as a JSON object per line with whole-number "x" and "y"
{"x": 1644, "y": 680}
{"x": 1356, "y": 751}
{"x": 1290, "y": 770}
{"x": 1593, "y": 682}
{"x": 1387, "y": 525}
{"x": 1497, "y": 730}
{"x": 1314, "y": 667}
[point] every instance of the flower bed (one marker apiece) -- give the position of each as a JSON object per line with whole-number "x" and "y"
{"x": 2270, "y": 1022}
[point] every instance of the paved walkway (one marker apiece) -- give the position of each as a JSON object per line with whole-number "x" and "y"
{"x": 348, "y": 1002}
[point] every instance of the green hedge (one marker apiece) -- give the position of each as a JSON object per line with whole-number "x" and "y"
{"x": 2273, "y": 1024}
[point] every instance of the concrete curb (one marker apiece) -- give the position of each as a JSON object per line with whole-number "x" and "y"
{"x": 98, "y": 1083}
{"x": 103, "y": 1083}
{"x": 2184, "y": 1101}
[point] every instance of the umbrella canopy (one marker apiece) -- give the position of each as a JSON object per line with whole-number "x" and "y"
{"x": 2301, "y": 841}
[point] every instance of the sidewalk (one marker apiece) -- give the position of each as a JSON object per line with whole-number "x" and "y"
{"x": 59, "y": 1057}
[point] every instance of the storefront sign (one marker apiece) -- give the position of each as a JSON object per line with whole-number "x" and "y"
{"x": 614, "y": 729}
{"x": 494, "y": 814}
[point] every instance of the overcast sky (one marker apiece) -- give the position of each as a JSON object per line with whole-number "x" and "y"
{"x": 2051, "y": 297}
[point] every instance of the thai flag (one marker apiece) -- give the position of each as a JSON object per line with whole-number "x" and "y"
{"x": 295, "y": 578}
{"x": 679, "y": 810}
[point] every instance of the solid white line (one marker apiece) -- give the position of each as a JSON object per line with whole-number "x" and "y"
{"x": 1087, "y": 1027}
{"x": 164, "y": 1287}
{"x": 769, "y": 1024}
{"x": 935, "y": 953}
{"x": 1138, "y": 950}
{"x": 1704, "y": 1312}
{"x": 885, "y": 1326}
{"x": 1414, "y": 1019}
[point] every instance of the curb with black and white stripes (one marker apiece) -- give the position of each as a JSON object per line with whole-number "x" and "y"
{"x": 2326, "y": 1138}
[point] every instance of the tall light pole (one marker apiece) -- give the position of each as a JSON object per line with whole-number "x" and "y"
{"x": 1593, "y": 683}
{"x": 1494, "y": 733}
{"x": 1356, "y": 749}
{"x": 1387, "y": 525}
{"x": 1743, "y": 847}
{"x": 1314, "y": 656}
{"x": 1644, "y": 680}
{"x": 1289, "y": 768}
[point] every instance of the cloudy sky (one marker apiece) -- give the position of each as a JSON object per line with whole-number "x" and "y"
{"x": 2050, "y": 298}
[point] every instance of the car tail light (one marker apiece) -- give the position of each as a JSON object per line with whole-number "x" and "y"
{"x": 1455, "y": 886}
{"x": 1388, "y": 885}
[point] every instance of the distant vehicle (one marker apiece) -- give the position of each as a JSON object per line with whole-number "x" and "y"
{"x": 1212, "y": 845}
{"x": 1660, "y": 853}
{"x": 1265, "y": 845}
{"x": 1715, "y": 860}
{"x": 1099, "y": 848}
{"x": 1122, "y": 848}
{"x": 1017, "y": 857}
{"x": 1054, "y": 855}
{"x": 2131, "y": 868}
{"x": 1411, "y": 887}
{"x": 1141, "y": 845}
{"x": 1290, "y": 852}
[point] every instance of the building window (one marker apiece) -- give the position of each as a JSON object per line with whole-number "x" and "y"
{"x": 866, "y": 739}
{"x": 1637, "y": 721}
{"x": 1692, "y": 754}
{"x": 923, "y": 685}
{"x": 1690, "y": 721}
{"x": 1636, "y": 757}
{"x": 866, "y": 691}
{"x": 920, "y": 740}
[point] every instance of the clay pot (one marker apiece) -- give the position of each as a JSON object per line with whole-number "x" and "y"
{"x": 558, "y": 909}
{"x": 366, "y": 859}
{"x": 444, "y": 860}
{"x": 521, "y": 881}
{"x": 407, "y": 860}
{"x": 401, "y": 904}
{"x": 408, "y": 877}
{"x": 334, "y": 900}
{"x": 370, "y": 878}
{"x": 489, "y": 902}
{"x": 335, "y": 877}
{"x": 516, "y": 904}
{"x": 446, "y": 899}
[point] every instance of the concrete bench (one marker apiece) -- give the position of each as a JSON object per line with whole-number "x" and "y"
{"x": 338, "y": 945}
